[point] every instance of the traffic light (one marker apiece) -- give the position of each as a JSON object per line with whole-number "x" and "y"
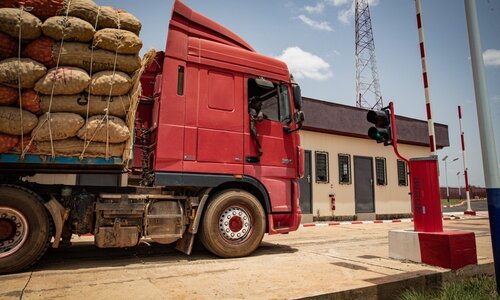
{"x": 381, "y": 132}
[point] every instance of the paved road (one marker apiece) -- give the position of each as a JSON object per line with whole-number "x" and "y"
{"x": 312, "y": 261}
{"x": 476, "y": 205}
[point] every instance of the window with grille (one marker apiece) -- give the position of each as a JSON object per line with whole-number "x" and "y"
{"x": 321, "y": 167}
{"x": 380, "y": 171}
{"x": 402, "y": 173}
{"x": 344, "y": 169}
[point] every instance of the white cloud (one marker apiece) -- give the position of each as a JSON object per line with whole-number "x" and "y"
{"x": 491, "y": 58}
{"x": 346, "y": 15}
{"x": 303, "y": 64}
{"x": 317, "y": 9}
{"x": 337, "y": 2}
{"x": 315, "y": 24}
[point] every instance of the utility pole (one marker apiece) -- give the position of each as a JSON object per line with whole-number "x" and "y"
{"x": 459, "y": 186}
{"x": 488, "y": 147}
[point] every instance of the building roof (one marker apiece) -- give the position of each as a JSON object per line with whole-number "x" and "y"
{"x": 328, "y": 117}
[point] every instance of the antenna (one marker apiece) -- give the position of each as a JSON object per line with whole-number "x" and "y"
{"x": 368, "y": 93}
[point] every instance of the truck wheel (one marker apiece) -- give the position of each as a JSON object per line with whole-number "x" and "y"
{"x": 233, "y": 225}
{"x": 25, "y": 229}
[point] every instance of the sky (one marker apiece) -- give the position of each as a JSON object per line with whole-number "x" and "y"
{"x": 316, "y": 39}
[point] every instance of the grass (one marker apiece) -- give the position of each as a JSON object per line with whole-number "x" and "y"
{"x": 452, "y": 201}
{"x": 475, "y": 288}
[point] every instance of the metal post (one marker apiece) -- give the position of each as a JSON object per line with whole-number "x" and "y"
{"x": 430, "y": 122}
{"x": 446, "y": 176}
{"x": 459, "y": 186}
{"x": 488, "y": 147}
{"x": 466, "y": 170}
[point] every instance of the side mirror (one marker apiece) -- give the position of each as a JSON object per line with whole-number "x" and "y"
{"x": 263, "y": 83}
{"x": 297, "y": 97}
{"x": 298, "y": 118}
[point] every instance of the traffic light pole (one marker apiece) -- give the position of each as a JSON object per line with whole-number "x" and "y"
{"x": 395, "y": 134}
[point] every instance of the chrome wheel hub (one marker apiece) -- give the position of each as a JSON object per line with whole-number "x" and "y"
{"x": 235, "y": 223}
{"x": 13, "y": 231}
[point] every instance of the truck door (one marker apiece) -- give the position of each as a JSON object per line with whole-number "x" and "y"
{"x": 216, "y": 141}
{"x": 276, "y": 165}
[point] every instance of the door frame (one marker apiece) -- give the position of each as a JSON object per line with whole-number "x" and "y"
{"x": 372, "y": 184}
{"x": 309, "y": 183}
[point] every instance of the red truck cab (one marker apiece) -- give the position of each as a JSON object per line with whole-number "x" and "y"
{"x": 210, "y": 83}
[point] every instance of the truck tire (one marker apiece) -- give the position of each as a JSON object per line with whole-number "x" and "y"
{"x": 25, "y": 228}
{"x": 233, "y": 225}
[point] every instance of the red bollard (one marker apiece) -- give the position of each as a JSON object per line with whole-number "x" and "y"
{"x": 426, "y": 201}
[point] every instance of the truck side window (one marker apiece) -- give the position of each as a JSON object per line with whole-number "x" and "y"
{"x": 274, "y": 102}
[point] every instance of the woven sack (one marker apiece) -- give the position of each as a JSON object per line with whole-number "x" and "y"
{"x": 72, "y": 29}
{"x": 45, "y": 50}
{"x": 30, "y": 101}
{"x": 108, "y": 18}
{"x": 7, "y": 142}
{"x": 8, "y": 95}
{"x": 118, "y": 106}
{"x": 43, "y": 9}
{"x": 63, "y": 81}
{"x": 10, "y": 121}
{"x": 74, "y": 147}
{"x": 11, "y": 19}
{"x": 29, "y": 71}
{"x": 62, "y": 126}
{"x": 107, "y": 83}
{"x": 95, "y": 129}
{"x": 8, "y": 46}
{"x": 83, "y": 9}
{"x": 28, "y": 145}
{"x": 119, "y": 40}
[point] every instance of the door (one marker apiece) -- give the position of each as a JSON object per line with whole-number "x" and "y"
{"x": 363, "y": 184}
{"x": 305, "y": 200}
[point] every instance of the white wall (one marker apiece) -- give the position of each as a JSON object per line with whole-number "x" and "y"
{"x": 389, "y": 199}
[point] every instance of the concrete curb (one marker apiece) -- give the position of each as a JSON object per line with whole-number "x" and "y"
{"x": 394, "y": 286}
{"x": 446, "y": 217}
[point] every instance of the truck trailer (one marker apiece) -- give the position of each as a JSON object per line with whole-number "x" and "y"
{"x": 216, "y": 154}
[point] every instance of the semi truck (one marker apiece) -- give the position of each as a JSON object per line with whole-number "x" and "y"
{"x": 217, "y": 154}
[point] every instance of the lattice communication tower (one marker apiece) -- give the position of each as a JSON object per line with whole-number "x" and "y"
{"x": 368, "y": 93}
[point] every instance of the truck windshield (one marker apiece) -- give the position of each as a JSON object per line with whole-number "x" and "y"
{"x": 273, "y": 103}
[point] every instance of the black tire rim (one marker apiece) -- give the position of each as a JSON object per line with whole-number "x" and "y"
{"x": 14, "y": 231}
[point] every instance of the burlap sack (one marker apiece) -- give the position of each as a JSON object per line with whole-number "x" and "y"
{"x": 63, "y": 81}
{"x": 43, "y": 9}
{"x": 8, "y": 46}
{"x": 71, "y": 29}
{"x": 10, "y": 121}
{"x": 45, "y": 50}
{"x": 95, "y": 129}
{"x": 8, "y": 95}
{"x": 30, "y": 101}
{"x": 74, "y": 147}
{"x": 108, "y": 18}
{"x": 106, "y": 83}
{"x": 118, "y": 106}
{"x": 7, "y": 142}
{"x": 13, "y": 18}
{"x": 27, "y": 145}
{"x": 62, "y": 126}
{"x": 29, "y": 70}
{"x": 83, "y": 9}
{"x": 119, "y": 40}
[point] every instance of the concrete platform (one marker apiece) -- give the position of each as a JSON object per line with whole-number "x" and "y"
{"x": 321, "y": 262}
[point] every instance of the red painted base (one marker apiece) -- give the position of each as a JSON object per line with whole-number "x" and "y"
{"x": 470, "y": 212}
{"x": 449, "y": 249}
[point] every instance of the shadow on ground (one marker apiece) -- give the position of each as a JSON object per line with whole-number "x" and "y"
{"x": 85, "y": 255}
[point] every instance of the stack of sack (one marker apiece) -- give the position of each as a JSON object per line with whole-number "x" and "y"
{"x": 66, "y": 77}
